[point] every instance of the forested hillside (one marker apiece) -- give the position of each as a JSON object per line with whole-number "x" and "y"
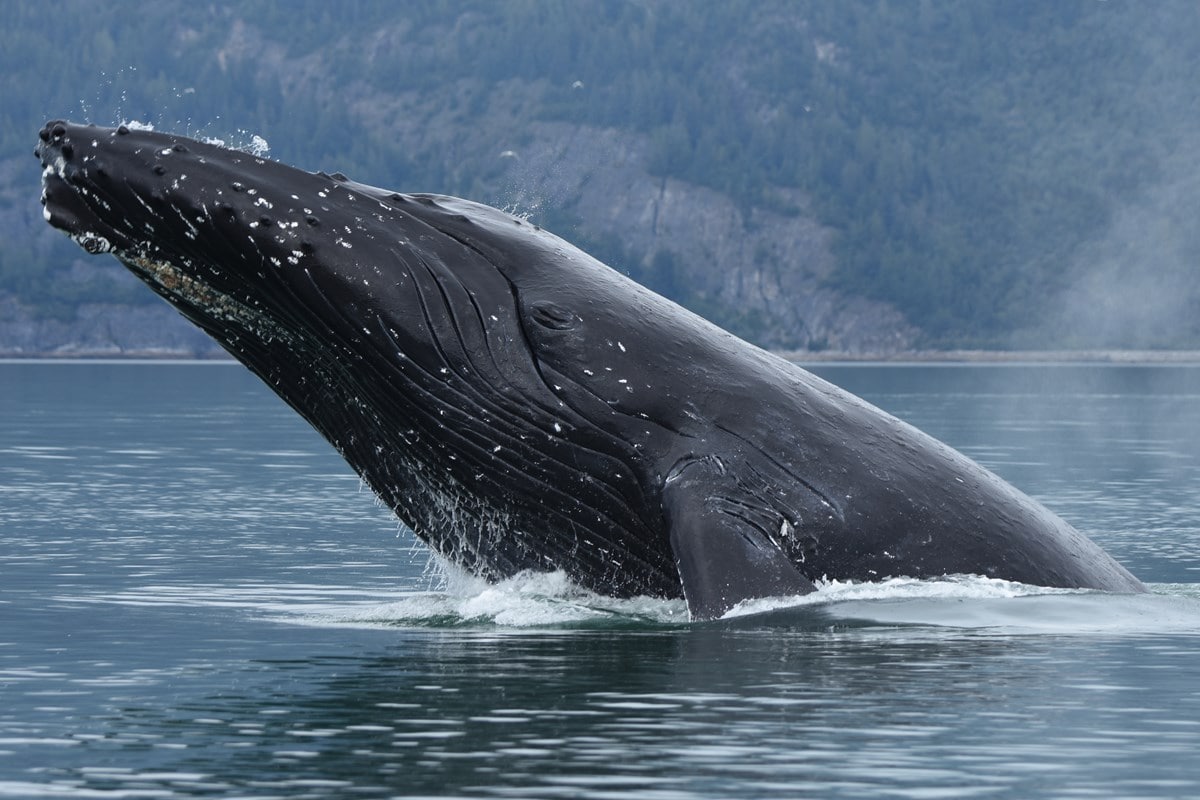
{"x": 853, "y": 175}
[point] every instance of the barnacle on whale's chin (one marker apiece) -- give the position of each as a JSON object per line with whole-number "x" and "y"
{"x": 180, "y": 288}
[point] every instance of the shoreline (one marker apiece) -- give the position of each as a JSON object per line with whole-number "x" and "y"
{"x": 1098, "y": 357}
{"x": 947, "y": 357}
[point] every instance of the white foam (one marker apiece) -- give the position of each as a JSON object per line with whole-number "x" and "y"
{"x": 531, "y": 599}
{"x": 955, "y": 587}
{"x": 26, "y": 790}
{"x": 982, "y": 605}
{"x": 258, "y": 146}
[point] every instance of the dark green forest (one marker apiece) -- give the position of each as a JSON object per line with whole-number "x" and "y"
{"x": 974, "y": 160}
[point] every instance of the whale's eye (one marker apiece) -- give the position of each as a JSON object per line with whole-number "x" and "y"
{"x": 554, "y": 316}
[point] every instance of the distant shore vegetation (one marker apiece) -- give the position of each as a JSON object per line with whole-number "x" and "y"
{"x": 972, "y": 159}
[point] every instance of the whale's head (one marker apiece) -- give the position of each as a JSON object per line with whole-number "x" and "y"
{"x": 405, "y": 328}
{"x": 252, "y": 249}
{"x": 246, "y": 247}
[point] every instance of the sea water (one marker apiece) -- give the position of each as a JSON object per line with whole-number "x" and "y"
{"x": 198, "y": 599}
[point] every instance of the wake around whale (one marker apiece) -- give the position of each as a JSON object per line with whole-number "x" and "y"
{"x": 522, "y": 406}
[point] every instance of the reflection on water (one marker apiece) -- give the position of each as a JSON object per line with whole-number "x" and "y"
{"x": 199, "y": 600}
{"x": 710, "y": 711}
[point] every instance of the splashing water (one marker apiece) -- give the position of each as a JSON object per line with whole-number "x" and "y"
{"x": 966, "y": 602}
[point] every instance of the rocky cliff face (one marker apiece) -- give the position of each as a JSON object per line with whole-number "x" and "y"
{"x": 758, "y": 272}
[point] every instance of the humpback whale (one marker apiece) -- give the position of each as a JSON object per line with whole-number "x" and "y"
{"x": 522, "y": 406}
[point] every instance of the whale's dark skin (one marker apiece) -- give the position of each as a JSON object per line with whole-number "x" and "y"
{"x": 521, "y": 406}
